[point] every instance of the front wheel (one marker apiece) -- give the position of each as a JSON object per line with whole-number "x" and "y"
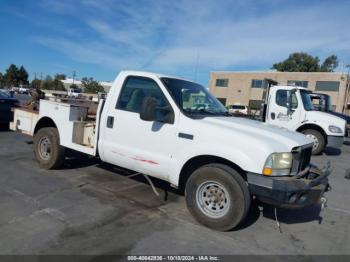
{"x": 217, "y": 196}
{"x": 47, "y": 149}
{"x": 318, "y": 139}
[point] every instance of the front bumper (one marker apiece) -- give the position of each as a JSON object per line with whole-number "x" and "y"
{"x": 301, "y": 190}
{"x": 335, "y": 141}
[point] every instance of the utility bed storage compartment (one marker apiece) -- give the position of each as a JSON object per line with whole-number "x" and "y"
{"x": 84, "y": 133}
{"x": 77, "y": 113}
{"x": 24, "y": 120}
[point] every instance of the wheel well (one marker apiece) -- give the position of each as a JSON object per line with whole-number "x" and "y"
{"x": 44, "y": 122}
{"x": 198, "y": 161}
{"x": 315, "y": 127}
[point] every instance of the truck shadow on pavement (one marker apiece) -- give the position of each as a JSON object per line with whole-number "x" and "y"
{"x": 4, "y": 128}
{"x": 331, "y": 151}
{"x": 294, "y": 216}
{"x": 257, "y": 209}
{"x": 286, "y": 216}
{"x": 75, "y": 160}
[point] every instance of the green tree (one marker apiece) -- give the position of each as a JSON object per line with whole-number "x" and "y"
{"x": 303, "y": 62}
{"x": 91, "y": 86}
{"x": 15, "y": 76}
{"x": 36, "y": 83}
{"x": 57, "y": 83}
{"x": 22, "y": 76}
{"x": 74, "y": 86}
{"x": 46, "y": 84}
{"x": 52, "y": 83}
{"x": 11, "y": 75}
{"x": 2, "y": 80}
{"x": 60, "y": 76}
{"x": 329, "y": 64}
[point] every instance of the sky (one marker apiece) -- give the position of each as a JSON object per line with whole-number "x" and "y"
{"x": 185, "y": 38}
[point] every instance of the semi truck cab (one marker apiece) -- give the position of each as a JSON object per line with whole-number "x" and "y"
{"x": 291, "y": 107}
{"x": 323, "y": 103}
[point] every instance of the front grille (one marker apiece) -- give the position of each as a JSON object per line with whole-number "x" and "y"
{"x": 301, "y": 158}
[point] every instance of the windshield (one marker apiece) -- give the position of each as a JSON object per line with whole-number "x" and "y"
{"x": 305, "y": 97}
{"x": 193, "y": 99}
{"x": 3, "y": 94}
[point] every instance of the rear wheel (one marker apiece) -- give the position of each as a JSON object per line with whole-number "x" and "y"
{"x": 47, "y": 149}
{"x": 217, "y": 196}
{"x": 318, "y": 139}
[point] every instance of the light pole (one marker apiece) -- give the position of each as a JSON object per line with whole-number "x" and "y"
{"x": 73, "y": 76}
{"x": 347, "y": 89}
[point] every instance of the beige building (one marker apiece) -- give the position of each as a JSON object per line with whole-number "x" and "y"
{"x": 246, "y": 88}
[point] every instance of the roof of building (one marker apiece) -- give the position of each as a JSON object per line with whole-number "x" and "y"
{"x": 78, "y": 82}
{"x": 274, "y": 72}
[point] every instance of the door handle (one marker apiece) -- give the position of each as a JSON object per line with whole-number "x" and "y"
{"x": 110, "y": 121}
{"x": 273, "y": 115}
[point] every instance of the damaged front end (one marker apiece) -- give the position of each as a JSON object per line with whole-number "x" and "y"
{"x": 306, "y": 188}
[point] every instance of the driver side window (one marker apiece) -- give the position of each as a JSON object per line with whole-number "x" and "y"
{"x": 135, "y": 90}
{"x": 282, "y": 98}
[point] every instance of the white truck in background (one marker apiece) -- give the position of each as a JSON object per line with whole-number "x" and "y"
{"x": 291, "y": 107}
{"x": 75, "y": 93}
{"x": 148, "y": 124}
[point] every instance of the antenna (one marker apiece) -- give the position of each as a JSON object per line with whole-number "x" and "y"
{"x": 196, "y": 67}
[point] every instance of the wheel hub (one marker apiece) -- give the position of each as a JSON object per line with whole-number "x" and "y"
{"x": 213, "y": 199}
{"x": 44, "y": 148}
{"x": 315, "y": 141}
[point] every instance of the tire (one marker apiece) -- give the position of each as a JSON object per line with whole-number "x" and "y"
{"x": 319, "y": 140}
{"x": 54, "y": 156}
{"x": 234, "y": 202}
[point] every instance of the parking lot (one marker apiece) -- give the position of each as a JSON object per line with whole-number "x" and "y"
{"x": 92, "y": 208}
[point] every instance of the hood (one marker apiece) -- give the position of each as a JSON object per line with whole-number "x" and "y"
{"x": 343, "y": 116}
{"x": 327, "y": 118}
{"x": 278, "y": 139}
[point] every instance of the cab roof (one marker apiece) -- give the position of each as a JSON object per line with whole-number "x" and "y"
{"x": 150, "y": 74}
{"x": 288, "y": 87}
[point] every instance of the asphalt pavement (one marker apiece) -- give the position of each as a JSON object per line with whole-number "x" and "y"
{"x": 89, "y": 207}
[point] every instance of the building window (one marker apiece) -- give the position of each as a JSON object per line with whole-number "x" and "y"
{"x": 222, "y": 82}
{"x": 222, "y": 100}
{"x": 297, "y": 83}
{"x": 327, "y": 86}
{"x": 256, "y": 83}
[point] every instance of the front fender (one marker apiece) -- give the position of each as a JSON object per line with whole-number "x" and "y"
{"x": 247, "y": 161}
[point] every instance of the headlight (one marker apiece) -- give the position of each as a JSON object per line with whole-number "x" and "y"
{"x": 335, "y": 129}
{"x": 278, "y": 164}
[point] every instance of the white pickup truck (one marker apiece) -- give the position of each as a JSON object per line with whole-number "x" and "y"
{"x": 148, "y": 124}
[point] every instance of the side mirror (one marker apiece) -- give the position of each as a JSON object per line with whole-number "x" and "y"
{"x": 150, "y": 111}
{"x": 290, "y": 109}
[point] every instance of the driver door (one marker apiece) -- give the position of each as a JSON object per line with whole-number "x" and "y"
{"x": 278, "y": 113}
{"x": 129, "y": 141}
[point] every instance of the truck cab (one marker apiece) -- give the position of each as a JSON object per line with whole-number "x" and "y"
{"x": 291, "y": 107}
{"x": 323, "y": 103}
